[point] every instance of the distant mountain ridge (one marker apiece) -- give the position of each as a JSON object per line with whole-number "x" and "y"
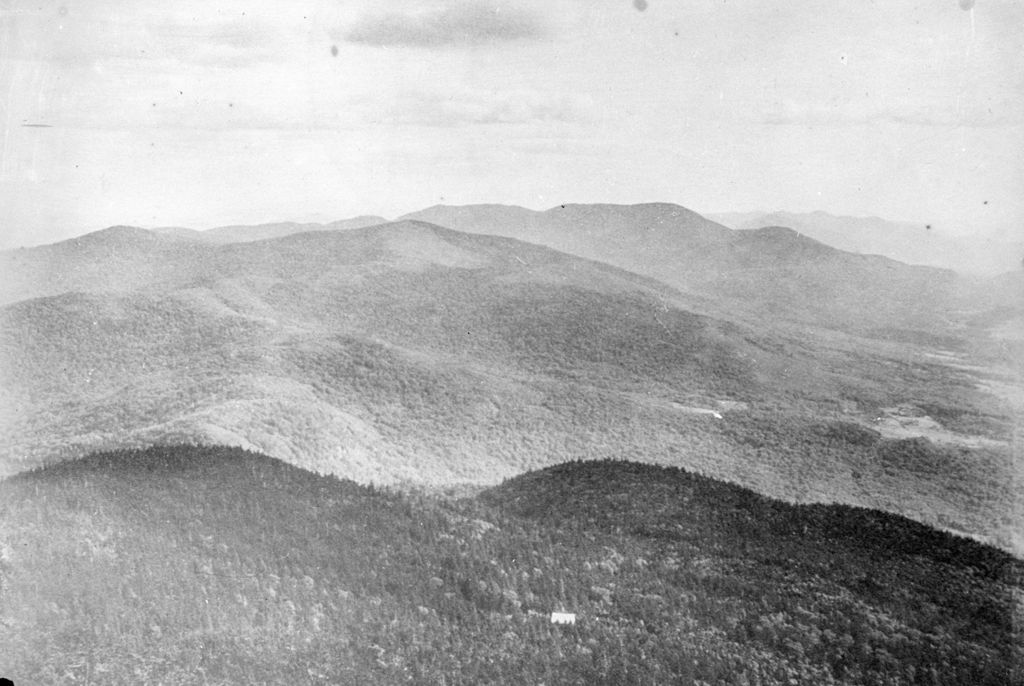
{"x": 918, "y": 243}
{"x": 241, "y": 233}
{"x": 745, "y": 273}
{"x": 777, "y": 273}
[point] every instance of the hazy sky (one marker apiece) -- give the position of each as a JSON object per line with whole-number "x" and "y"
{"x": 200, "y": 113}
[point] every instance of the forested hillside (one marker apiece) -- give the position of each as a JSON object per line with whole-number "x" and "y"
{"x": 412, "y": 353}
{"x": 218, "y": 566}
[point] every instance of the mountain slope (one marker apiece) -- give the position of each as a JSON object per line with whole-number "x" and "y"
{"x": 224, "y": 567}
{"x": 410, "y": 329}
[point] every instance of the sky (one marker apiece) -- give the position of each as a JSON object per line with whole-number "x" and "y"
{"x": 198, "y": 113}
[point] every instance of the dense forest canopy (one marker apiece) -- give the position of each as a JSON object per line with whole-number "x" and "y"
{"x": 220, "y": 566}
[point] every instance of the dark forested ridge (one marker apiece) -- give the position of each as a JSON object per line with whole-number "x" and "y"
{"x": 220, "y": 566}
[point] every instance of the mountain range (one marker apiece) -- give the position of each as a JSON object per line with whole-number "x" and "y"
{"x": 241, "y": 233}
{"x": 409, "y": 352}
{"x": 600, "y": 444}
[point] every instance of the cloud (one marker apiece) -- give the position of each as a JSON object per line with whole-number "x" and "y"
{"x": 468, "y": 108}
{"x": 232, "y": 44}
{"x": 994, "y": 113}
{"x": 461, "y": 25}
{"x": 83, "y": 37}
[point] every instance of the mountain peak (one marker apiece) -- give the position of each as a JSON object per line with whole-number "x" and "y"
{"x": 123, "y": 230}
{"x": 642, "y": 209}
{"x": 118, "y": 235}
{"x": 622, "y": 207}
{"x": 781, "y": 233}
{"x": 239, "y": 233}
{"x": 782, "y": 243}
{"x": 473, "y": 206}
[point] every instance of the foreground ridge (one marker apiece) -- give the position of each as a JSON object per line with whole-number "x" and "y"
{"x": 174, "y": 562}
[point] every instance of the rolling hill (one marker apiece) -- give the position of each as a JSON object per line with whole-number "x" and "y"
{"x": 411, "y": 353}
{"x": 218, "y": 566}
